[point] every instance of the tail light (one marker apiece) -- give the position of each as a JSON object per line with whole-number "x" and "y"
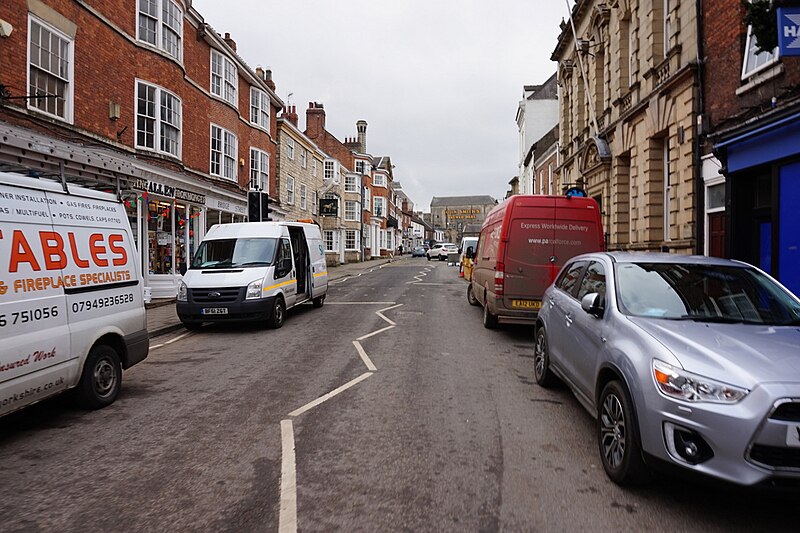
{"x": 499, "y": 279}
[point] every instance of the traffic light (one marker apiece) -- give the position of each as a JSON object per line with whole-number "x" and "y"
{"x": 258, "y": 208}
{"x": 265, "y": 209}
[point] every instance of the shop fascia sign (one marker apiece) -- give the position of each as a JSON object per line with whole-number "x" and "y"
{"x": 789, "y": 31}
{"x": 168, "y": 191}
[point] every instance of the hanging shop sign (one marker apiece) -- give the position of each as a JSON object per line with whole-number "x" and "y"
{"x": 329, "y": 207}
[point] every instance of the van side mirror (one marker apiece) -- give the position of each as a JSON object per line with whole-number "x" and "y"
{"x": 470, "y": 252}
{"x": 594, "y": 304}
{"x": 183, "y": 269}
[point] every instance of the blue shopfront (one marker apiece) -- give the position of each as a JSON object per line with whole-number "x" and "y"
{"x": 762, "y": 167}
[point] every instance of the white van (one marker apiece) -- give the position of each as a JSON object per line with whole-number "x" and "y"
{"x": 253, "y": 271}
{"x": 71, "y": 307}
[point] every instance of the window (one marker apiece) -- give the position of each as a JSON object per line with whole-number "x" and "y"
{"x": 594, "y": 280}
{"x": 290, "y": 190}
{"x": 570, "y": 276}
{"x": 290, "y": 149}
{"x": 314, "y": 167}
{"x": 366, "y": 198}
{"x": 379, "y": 180}
{"x": 367, "y": 239}
{"x": 350, "y": 239}
{"x": 379, "y": 203}
{"x": 755, "y": 61}
{"x": 314, "y": 203}
{"x": 350, "y": 184}
{"x": 331, "y": 242}
{"x": 259, "y": 170}
{"x": 303, "y": 157}
{"x": 224, "y": 77}
{"x": 223, "y": 153}
{"x": 303, "y": 204}
{"x": 351, "y": 211}
{"x": 667, "y": 27}
{"x": 50, "y": 70}
{"x": 259, "y": 108}
{"x": 158, "y": 119}
{"x": 550, "y": 178}
{"x": 162, "y": 28}
{"x": 329, "y": 167}
{"x": 360, "y": 167}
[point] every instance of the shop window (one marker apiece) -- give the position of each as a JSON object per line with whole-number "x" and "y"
{"x": 160, "y": 237}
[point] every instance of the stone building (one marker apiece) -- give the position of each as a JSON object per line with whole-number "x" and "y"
{"x": 537, "y": 113}
{"x": 300, "y": 175}
{"x": 628, "y": 104}
{"x": 454, "y": 213}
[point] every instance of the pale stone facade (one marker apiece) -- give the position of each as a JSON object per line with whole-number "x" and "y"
{"x": 300, "y": 164}
{"x": 630, "y": 144}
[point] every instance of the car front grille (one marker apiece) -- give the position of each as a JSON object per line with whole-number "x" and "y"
{"x": 215, "y": 296}
{"x": 776, "y": 456}
{"x": 789, "y": 411}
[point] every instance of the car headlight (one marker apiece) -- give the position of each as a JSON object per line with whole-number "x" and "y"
{"x": 254, "y": 290}
{"x": 682, "y": 385}
{"x": 183, "y": 292}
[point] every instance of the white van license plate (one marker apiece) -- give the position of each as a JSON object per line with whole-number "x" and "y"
{"x": 214, "y": 311}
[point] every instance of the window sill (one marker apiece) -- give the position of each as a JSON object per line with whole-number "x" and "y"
{"x": 762, "y": 77}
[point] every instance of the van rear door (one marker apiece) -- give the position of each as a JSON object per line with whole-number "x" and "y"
{"x": 528, "y": 252}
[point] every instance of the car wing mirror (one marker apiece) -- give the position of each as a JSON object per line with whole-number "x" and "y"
{"x": 593, "y": 304}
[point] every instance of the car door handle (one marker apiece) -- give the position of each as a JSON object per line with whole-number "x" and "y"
{"x": 569, "y": 319}
{"x": 551, "y": 301}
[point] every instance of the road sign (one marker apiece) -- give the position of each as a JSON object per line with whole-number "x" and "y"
{"x": 789, "y": 31}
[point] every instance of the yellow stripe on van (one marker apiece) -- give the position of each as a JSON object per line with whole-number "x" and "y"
{"x": 318, "y": 274}
{"x": 281, "y": 284}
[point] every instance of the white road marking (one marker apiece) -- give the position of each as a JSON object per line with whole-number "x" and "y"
{"x": 368, "y": 335}
{"x": 364, "y": 357}
{"x": 359, "y": 303}
{"x": 287, "y": 519}
{"x": 380, "y": 314}
{"x": 179, "y": 337}
{"x": 331, "y": 394}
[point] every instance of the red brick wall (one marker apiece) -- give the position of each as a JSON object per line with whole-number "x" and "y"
{"x": 725, "y": 38}
{"x": 106, "y": 67}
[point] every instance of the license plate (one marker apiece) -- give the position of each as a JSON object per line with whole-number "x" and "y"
{"x": 214, "y": 311}
{"x": 793, "y": 435}
{"x": 527, "y": 304}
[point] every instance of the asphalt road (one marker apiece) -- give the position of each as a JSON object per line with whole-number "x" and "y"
{"x": 441, "y": 428}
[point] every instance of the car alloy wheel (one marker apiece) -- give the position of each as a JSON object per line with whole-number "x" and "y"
{"x": 541, "y": 360}
{"x": 618, "y": 437}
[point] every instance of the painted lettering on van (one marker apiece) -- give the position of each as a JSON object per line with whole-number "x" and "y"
{"x": 53, "y": 253}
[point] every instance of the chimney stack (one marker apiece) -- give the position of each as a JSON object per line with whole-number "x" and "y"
{"x": 315, "y": 120}
{"x": 290, "y": 114}
{"x": 361, "y": 126}
{"x": 230, "y": 42}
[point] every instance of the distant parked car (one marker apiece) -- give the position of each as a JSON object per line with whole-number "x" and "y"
{"x": 440, "y": 250}
{"x": 692, "y": 361}
{"x": 418, "y": 251}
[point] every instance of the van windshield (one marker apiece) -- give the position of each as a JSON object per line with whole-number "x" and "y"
{"x": 235, "y": 253}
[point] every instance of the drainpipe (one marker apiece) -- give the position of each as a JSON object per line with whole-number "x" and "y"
{"x": 699, "y": 191}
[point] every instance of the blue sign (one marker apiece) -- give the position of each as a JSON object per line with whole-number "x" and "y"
{"x": 789, "y": 31}
{"x": 576, "y": 191}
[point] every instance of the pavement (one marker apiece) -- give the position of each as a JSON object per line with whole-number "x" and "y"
{"x": 162, "y": 317}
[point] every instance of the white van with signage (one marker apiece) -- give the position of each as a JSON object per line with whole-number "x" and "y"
{"x": 71, "y": 308}
{"x": 253, "y": 271}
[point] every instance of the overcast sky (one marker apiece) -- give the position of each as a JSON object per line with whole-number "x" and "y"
{"x": 437, "y": 81}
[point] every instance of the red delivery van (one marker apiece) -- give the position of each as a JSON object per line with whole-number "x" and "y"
{"x": 523, "y": 244}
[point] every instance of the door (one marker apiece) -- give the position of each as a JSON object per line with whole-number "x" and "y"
{"x": 529, "y": 269}
{"x": 584, "y": 341}
{"x": 285, "y": 274}
{"x": 716, "y": 234}
{"x": 561, "y": 302}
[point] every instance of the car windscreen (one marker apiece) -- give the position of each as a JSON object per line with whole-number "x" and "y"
{"x": 704, "y": 293}
{"x": 235, "y": 253}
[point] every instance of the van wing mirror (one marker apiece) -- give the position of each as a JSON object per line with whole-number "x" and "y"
{"x": 594, "y": 304}
{"x": 470, "y": 252}
{"x": 183, "y": 269}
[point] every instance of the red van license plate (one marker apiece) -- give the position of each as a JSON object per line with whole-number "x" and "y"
{"x": 526, "y": 304}
{"x": 214, "y": 311}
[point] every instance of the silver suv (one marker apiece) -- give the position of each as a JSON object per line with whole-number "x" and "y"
{"x": 690, "y": 360}
{"x": 440, "y": 250}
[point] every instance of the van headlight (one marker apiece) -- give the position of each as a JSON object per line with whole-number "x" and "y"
{"x": 183, "y": 292}
{"x": 254, "y": 290}
{"x": 682, "y": 385}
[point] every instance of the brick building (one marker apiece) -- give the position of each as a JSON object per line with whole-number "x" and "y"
{"x": 751, "y": 160}
{"x": 628, "y": 100}
{"x": 105, "y": 89}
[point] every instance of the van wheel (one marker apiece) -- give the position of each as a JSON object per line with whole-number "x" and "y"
{"x": 193, "y": 326}
{"x": 101, "y": 379}
{"x": 278, "y": 315}
{"x": 317, "y": 302}
{"x": 489, "y": 320}
{"x": 471, "y": 296}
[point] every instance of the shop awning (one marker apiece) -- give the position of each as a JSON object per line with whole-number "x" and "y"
{"x": 762, "y": 144}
